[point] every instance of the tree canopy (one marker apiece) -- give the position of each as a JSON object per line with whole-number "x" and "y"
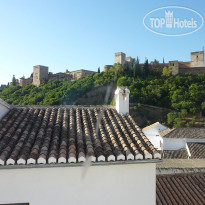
{"x": 185, "y": 93}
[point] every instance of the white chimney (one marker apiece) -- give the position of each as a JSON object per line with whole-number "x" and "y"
{"x": 122, "y": 100}
{"x": 4, "y": 108}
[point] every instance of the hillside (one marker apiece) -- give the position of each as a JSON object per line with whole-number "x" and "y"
{"x": 184, "y": 93}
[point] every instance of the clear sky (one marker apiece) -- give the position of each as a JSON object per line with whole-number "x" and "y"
{"x": 85, "y": 34}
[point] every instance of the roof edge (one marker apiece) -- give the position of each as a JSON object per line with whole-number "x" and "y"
{"x": 150, "y": 126}
{"x": 79, "y": 164}
{"x": 5, "y": 104}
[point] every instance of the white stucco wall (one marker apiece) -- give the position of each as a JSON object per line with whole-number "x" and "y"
{"x": 122, "y": 102}
{"x": 173, "y": 143}
{"x": 155, "y": 140}
{"x": 153, "y": 134}
{"x": 178, "y": 143}
{"x": 114, "y": 184}
{"x": 3, "y": 109}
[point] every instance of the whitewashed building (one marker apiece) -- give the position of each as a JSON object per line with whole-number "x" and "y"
{"x": 152, "y": 132}
{"x": 75, "y": 155}
{"x": 179, "y": 143}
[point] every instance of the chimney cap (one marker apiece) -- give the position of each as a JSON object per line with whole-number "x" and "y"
{"x": 122, "y": 89}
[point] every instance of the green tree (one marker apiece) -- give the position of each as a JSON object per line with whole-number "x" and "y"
{"x": 127, "y": 69}
{"x": 203, "y": 106}
{"x": 124, "y": 81}
{"x": 146, "y": 69}
{"x": 137, "y": 67}
{"x": 98, "y": 69}
{"x": 171, "y": 118}
{"x": 166, "y": 71}
{"x": 14, "y": 81}
{"x": 178, "y": 122}
{"x": 184, "y": 113}
{"x": 156, "y": 61}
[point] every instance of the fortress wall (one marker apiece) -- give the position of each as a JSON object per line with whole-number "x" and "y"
{"x": 196, "y": 70}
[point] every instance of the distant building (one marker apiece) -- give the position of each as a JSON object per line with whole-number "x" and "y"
{"x": 59, "y": 76}
{"x": 107, "y": 67}
{"x": 195, "y": 66}
{"x": 130, "y": 61}
{"x": 122, "y": 59}
{"x": 3, "y": 86}
{"x": 24, "y": 81}
{"x": 80, "y": 73}
{"x": 40, "y": 74}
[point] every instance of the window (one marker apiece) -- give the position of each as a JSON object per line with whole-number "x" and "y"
{"x": 197, "y": 58}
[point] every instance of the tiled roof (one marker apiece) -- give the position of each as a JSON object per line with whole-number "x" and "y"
{"x": 175, "y": 154}
{"x": 35, "y": 135}
{"x": 197, "y": 150}
{"x": 196, "y": 133}
{"x": 165, "y": 132}
{"x": 186, "y": 189}
{"x": 150, "y": 126}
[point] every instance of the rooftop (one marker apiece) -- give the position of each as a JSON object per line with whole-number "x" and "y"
{"x": 175, "y": 154}
{"x": 198, "y": 52}
{"x": 165, "y": 132}
{"x": 195, "y": 133}
{"x": 197, "y": 150}
{"x": 55, "y": 135}
{"x": 150, "y": 126}
{"x": 180, "y": 166}
{"x": 82, "y": 70}
{"x": 155, "y": 125}
{"x": 181, "y": 189}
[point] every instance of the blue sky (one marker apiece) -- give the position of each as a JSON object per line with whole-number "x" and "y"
{"x": 85, "y": 34}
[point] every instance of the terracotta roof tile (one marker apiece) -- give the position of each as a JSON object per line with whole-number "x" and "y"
{"x": 182, "y": 189}
{"x": 195, "y": 133}
{"x": 69, "y": 134}
{"x": 197, "y": 150}
{"x": 175, "y": 154}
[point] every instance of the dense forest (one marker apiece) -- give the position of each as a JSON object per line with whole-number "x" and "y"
{"x": 185, "y": 94}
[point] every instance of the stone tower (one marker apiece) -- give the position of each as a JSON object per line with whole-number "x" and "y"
{"x": 40, "y": 74}
{"x": 122, "y": 100}
{"x": 175, "y": 67}
{"x": 120, "y": 58}
{"x": 197, "y": 59}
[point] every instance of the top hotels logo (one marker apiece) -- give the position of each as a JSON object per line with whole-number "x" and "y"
{"x": 173, "y": 21}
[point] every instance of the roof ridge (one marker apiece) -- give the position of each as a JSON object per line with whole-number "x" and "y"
{"x": 150, "y": 126}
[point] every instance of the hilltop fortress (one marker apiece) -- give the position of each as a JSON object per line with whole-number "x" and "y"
{"x": 195, "y": 66}
{"x": 41, "y": 74}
